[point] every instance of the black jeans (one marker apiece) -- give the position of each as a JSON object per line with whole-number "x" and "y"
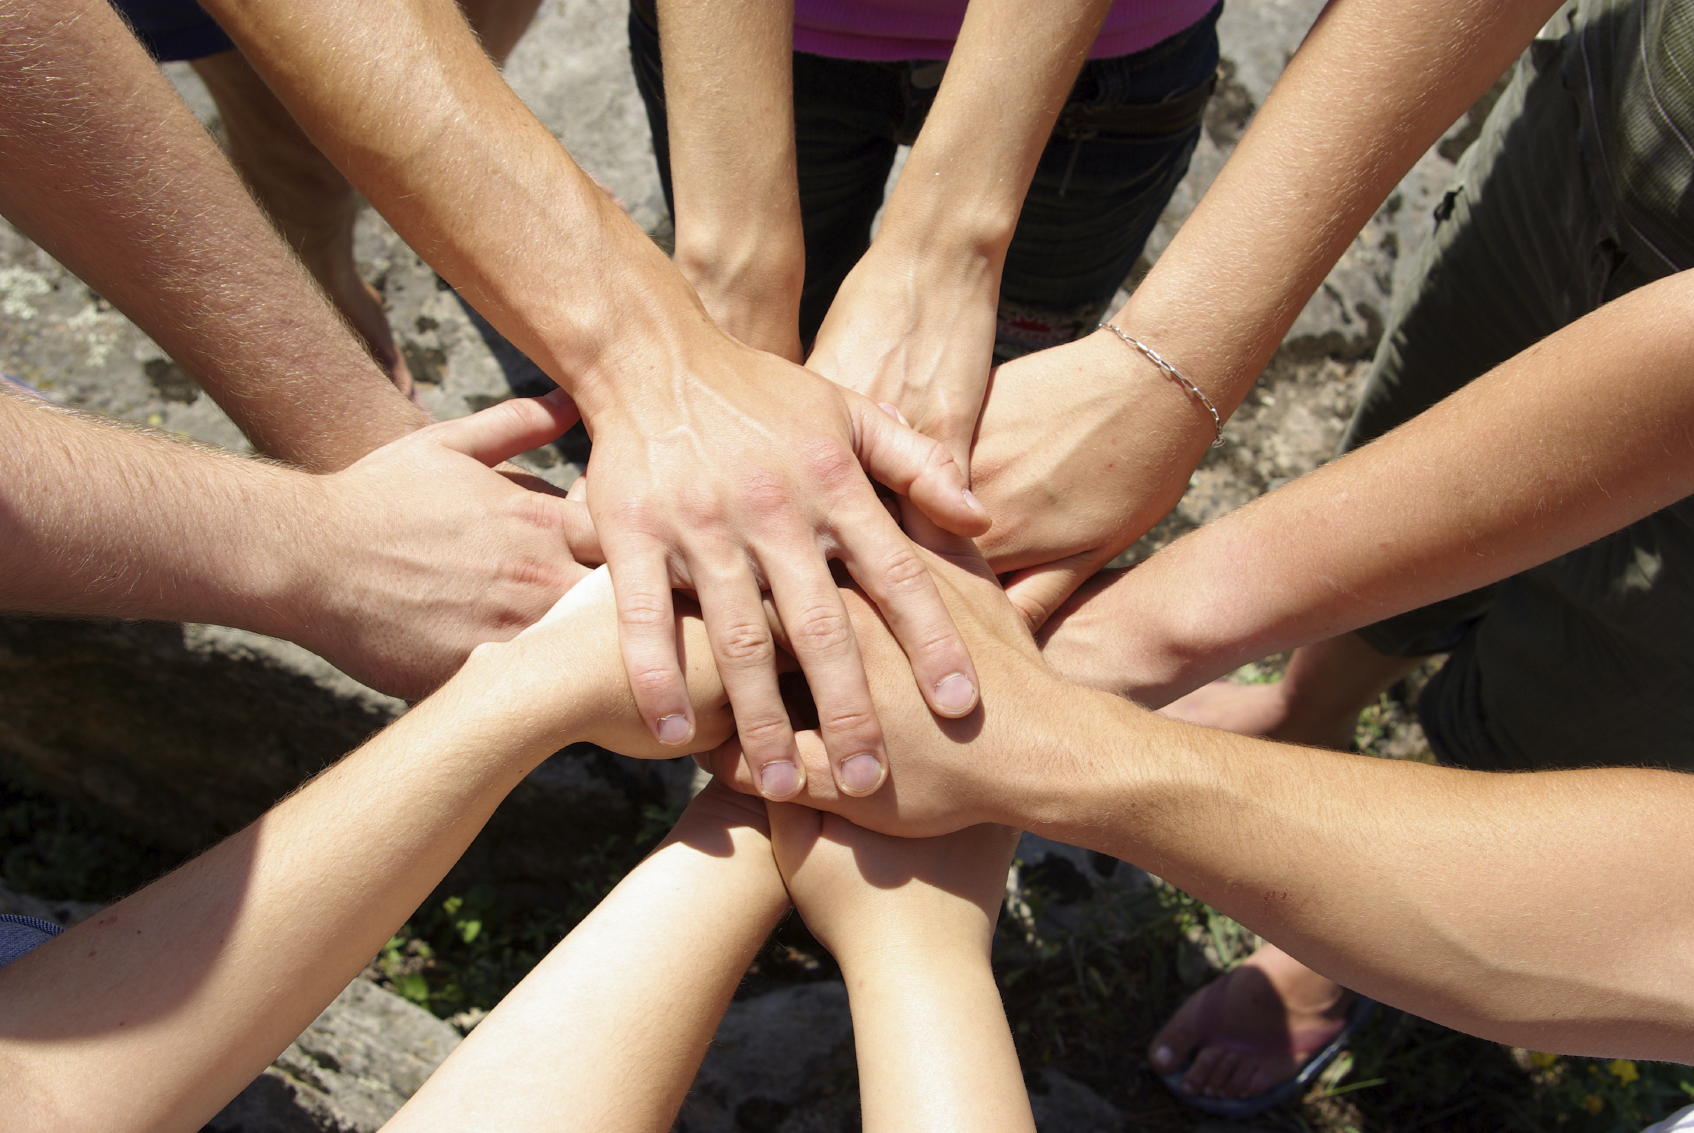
{"x": 1121, "y": 146}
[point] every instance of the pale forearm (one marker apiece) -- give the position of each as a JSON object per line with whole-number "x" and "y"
{"x": 1508, "y": 906}
{"x": 611, "y": 1027}
{"x": 934, "y": 1049}
{"x": 1587, "y": 432}
{"x": 224, "y": 961}
{"x": 730, "y": 105}
{"x": 1011, "y": 69}
{"x": 1373, "y": 86}
{"x": 107, "y": 170}
{"x": 444, "y": 149}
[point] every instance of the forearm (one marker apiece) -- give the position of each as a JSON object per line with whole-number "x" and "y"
{"x": 730, "y": 105}
{"x": 611, "y": 1027}
{"x": 1375, "y": 83}
{"x": 107, "y": 170}
{"x": 933, "y": 1046}
{"x": 1508, "y": 906}
{"x": 964, "y": 184}
{"x": 103, "y": 520}
{"x": 224, "y": 961}
{"x": 399, "y": 94}
{"x": 1582, "y": 435}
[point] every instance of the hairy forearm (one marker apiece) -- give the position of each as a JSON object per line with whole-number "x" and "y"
{"x": 107, "y": 170}
{"x": 1583, "y": 434}
{"x": 611, "y": 1027}
{"x": 104, "y": 520}
{"x": 1504, "y": 905}
{"x": 730, "y": 104}
{"x": 1375, "y": 83}
{"x": 934, "y": 1049}
{"x": 399, "y": 94}
{"x": 224, "y": 961}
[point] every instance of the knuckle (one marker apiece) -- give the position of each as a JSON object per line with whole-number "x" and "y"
{"x": 847, "y": 722}
{"x": 647, "y": 682}
{"x": 761, "y": 730}
{"x": 765, "y": 495}
{"x": 902, "y": 571}
{"x": 830, "y": 463}
{"x": 746, "y": 645}
{"x": 819, "y": 629}
{"x": 642, "y": 611}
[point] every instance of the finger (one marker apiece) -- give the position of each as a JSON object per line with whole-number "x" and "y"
{"x": 745, "y": 653}
{"x": 1040, "y": 590}
{"x": 581, "y": 535}
{"x": 502, "y": 431}
{"x": 821, "y": 638}
{"x": 915, "y": 465}
{"x": 641, "y": 582}
{"x": 892, "y": 572}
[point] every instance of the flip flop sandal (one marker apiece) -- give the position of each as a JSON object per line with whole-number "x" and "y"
{"x": 1322, "y": 1043}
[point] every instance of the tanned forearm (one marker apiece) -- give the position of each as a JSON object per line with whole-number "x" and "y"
{"x": 446, "y": 151}
{"x": 106, "y": 169}
{"x": 105, "y": 520}
{"x": 1507, "y": 906}
{"x": 1373, "y": 86}
{"x": 1577, "y": 437}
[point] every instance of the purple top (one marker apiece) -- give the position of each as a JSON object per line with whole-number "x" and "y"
{"x": 887, "y": 31}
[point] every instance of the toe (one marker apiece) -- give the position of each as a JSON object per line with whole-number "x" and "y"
{"x": 1174, "y": 1045}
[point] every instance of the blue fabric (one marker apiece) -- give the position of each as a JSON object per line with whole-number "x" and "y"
{"x": 20, "y": 935}
{"x": 174, "y": 30}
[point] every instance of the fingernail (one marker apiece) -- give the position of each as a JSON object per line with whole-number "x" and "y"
{"x": 779, "y": 780}
{"x": 674, "y": 730}
{"x": 861, "y": 774}
{"x": 1162, "y": 1057}
{"x": 955, "y": 693}
{"x": 973, "y": 503}
{"x": 893, "y": 411}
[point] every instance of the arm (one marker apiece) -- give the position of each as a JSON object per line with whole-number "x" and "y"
{"x": 1315, "y": 164}
{"x": 729, "y": 97}
{"x": 912, "y": 924}
{"x": 723, "y": 470}
{"x": 1426, "y": 887}
{"x": 393, "y": 570}
{"x": 914, "y": 322}
{"x": 608, "y": 1031}
{"x": 223, "y": 962}
{"x": 106, "y": 169}
{"x": 1571, "y": 440}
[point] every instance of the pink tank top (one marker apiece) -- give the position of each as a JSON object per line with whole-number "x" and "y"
{"x": 894, "y": 30}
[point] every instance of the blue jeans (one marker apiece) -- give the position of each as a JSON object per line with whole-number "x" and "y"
{"x": 1120, "y": 148}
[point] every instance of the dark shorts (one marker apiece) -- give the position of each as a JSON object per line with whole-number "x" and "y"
{"x": 1119, "y": 150}
{"x": 1587, "y": 659}
{"x": 174, "y": 30}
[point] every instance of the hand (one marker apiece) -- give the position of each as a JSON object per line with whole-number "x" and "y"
{"x": 862, "y": 893}
{"x": 949, "y": 774}
{"x": 579, "y": 635}
{"x": 744, "y": 474}
{"x": 421, "y": 551}
{"x": 916, "y": 333}
{"x": 1082, "y": 448}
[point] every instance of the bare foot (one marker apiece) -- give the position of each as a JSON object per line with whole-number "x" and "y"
{"x": 1270, "y": 1016}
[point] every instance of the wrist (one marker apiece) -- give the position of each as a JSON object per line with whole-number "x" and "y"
{"x": 920, "y": 953}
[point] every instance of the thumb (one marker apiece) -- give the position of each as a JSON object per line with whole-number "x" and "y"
{"x": 1037, "y": 591}
{"x": 915, "y": 466}
{"x": 502, "y": 431}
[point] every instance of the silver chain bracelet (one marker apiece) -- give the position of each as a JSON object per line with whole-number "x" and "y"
{"x": 1174, "y": 374}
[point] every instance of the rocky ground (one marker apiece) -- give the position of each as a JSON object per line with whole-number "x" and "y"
{"x": 181, "y": 734}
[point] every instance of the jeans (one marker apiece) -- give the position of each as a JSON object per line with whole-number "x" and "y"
{"x": 1120, "y": 148}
